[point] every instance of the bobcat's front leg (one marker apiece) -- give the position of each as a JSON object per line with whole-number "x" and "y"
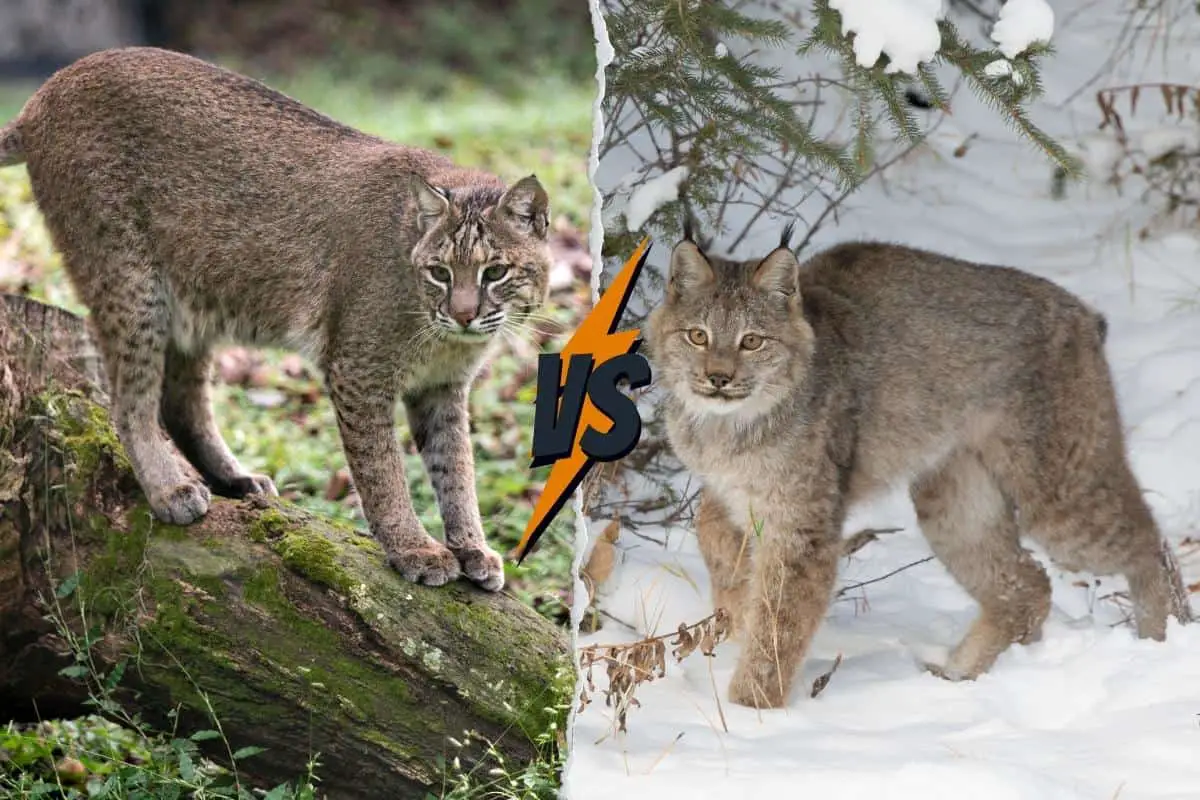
{"x": 795, "y": 565}
{"x": 440, "y": 427}
{"x": 365, "y": 405}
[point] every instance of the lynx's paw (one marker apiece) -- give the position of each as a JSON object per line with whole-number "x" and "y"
{"x": 246, "y": 485}
{"x": 181, "y": 503}
{"x": 483, "y": 566}
{"x": 430, "y": 563}
{"x": 758, "y": 687}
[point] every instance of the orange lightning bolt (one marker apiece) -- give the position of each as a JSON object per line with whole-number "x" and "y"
{"x": 593, "y": 337}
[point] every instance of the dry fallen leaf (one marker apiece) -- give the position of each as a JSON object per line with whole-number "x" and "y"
{"x": 823, "y": 680}
{"x": 602, "y": 559}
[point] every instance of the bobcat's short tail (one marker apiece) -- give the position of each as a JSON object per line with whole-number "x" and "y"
{"x": 12, "y": 149}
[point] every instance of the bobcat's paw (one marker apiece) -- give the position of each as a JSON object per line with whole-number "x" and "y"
{"x": 430, "y": 563}
{"x": 757, "y": 688}
{"x": 483, "y": 566}
{"x": 246, "y": 485}
{"x": 181, "y": 503}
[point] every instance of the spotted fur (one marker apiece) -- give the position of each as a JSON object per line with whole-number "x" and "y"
{"x": 193, "y": 205}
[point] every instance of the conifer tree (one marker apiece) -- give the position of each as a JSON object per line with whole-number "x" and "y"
{"x": 677, "y": 96}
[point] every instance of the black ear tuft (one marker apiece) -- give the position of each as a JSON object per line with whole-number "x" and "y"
{"x": 786, "y": 239}
{"x": 690, "y": 226}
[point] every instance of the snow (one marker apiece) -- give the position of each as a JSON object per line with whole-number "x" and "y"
{"x": 652, "y": 195}
{"x": 1158, "y": 142}
{"x": 905, "y": 30}
{"x": 1089, "y": 711}
{"x": 1021, "y": 24}
{"x": 721, "y": 50}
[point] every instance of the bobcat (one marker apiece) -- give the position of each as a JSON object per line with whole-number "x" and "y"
{"x": 193, "y": 205}
{"x": 795, "y": 391}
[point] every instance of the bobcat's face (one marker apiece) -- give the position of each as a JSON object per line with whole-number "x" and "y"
{"x": 482, "y": 260}
{"x": 730, "y": 337}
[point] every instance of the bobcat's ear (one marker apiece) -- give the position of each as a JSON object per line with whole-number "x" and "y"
{"x": 526, "y": 207}
{"x": 689, "y": 268}
{"x": 433, "y": 202}
{"x": 779, "y": 273}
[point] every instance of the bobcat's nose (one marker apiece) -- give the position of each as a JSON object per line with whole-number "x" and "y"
{"x": 464, "y": 316}
{"x": 464, "y": 305}
{"x": 719, "y": 380}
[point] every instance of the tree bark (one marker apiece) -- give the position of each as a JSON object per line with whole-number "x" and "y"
{"x": 288, "y": 631}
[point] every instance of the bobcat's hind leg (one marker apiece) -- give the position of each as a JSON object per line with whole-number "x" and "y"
{"x": 187, "y": 416}
{"x": 131, "y": 324}
{"x": 970, "y": 526}
{"x": 726, "y": 550}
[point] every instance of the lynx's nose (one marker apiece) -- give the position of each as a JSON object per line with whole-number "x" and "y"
{"x": 719, "y": 380}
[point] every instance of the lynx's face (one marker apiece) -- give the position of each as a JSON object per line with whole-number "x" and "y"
{"x": 730, "y": 337}
{"x": 482, "y": 260}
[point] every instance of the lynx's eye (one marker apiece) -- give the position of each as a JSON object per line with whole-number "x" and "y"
{"x": 440, "y": 274}
{"x": 751, "y": 341}
{"x": 697, "y": 337}
{"x": 495, "y": 272}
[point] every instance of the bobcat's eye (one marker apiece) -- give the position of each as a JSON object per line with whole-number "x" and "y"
{"x": 440, "y": 274}
{"x": 495, "y": 272}
{"x": 697, "y": 337}
{"x": 751, "y": 341}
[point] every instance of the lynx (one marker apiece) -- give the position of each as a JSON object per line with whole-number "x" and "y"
{"x": 192, "y": 206}
{"x": 795, "y": 391}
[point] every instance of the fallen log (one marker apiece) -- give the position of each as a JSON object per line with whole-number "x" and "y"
{"x": 289, "y": 630}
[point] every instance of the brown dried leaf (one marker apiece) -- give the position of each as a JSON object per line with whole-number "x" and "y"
{"x": 1168, "y": 98}
{"x": 722, "y": 623}
{"x": 338, "y": 486}
{"x": 684, "y": 643}
{"x": 660, "y": 658}
{"x": 1182, "y": 92}
{"x": 603, "y": 558}
{"x": 823, "y": 680}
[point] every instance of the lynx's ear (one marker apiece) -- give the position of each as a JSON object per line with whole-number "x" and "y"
{"x": 526, "y": 207}
{"x": 689, "y": 268}
{"x": 433, "y": 202}
{"x": 779, "y": 273}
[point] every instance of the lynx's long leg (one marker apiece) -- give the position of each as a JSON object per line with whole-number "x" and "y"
{"x": 365, "y": 406}
{"x": 1078, "y": 496}
{"x": 187, "y": 416}
{"x": 438, "y": 418}
{"x": 794, "y": 569}
{"x": 1104, "y": 526}
{"x": 132, "y": 328}
{"x": 971, "y": 528}
{"x": 727, "y": 554}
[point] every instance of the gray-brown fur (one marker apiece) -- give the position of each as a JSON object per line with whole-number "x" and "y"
{"x": 983, "y": 389}
{"x": 193, "y": 205}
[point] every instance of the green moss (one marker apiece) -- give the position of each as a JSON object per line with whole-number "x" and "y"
{"x": 312, "y": 555}
{"x": 304, "y": 548}
{"x": 88, "y": 437}
{"x": 269, "y": 524}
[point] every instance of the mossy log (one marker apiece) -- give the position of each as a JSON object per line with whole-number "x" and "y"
{"x": 290, "y": 630}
